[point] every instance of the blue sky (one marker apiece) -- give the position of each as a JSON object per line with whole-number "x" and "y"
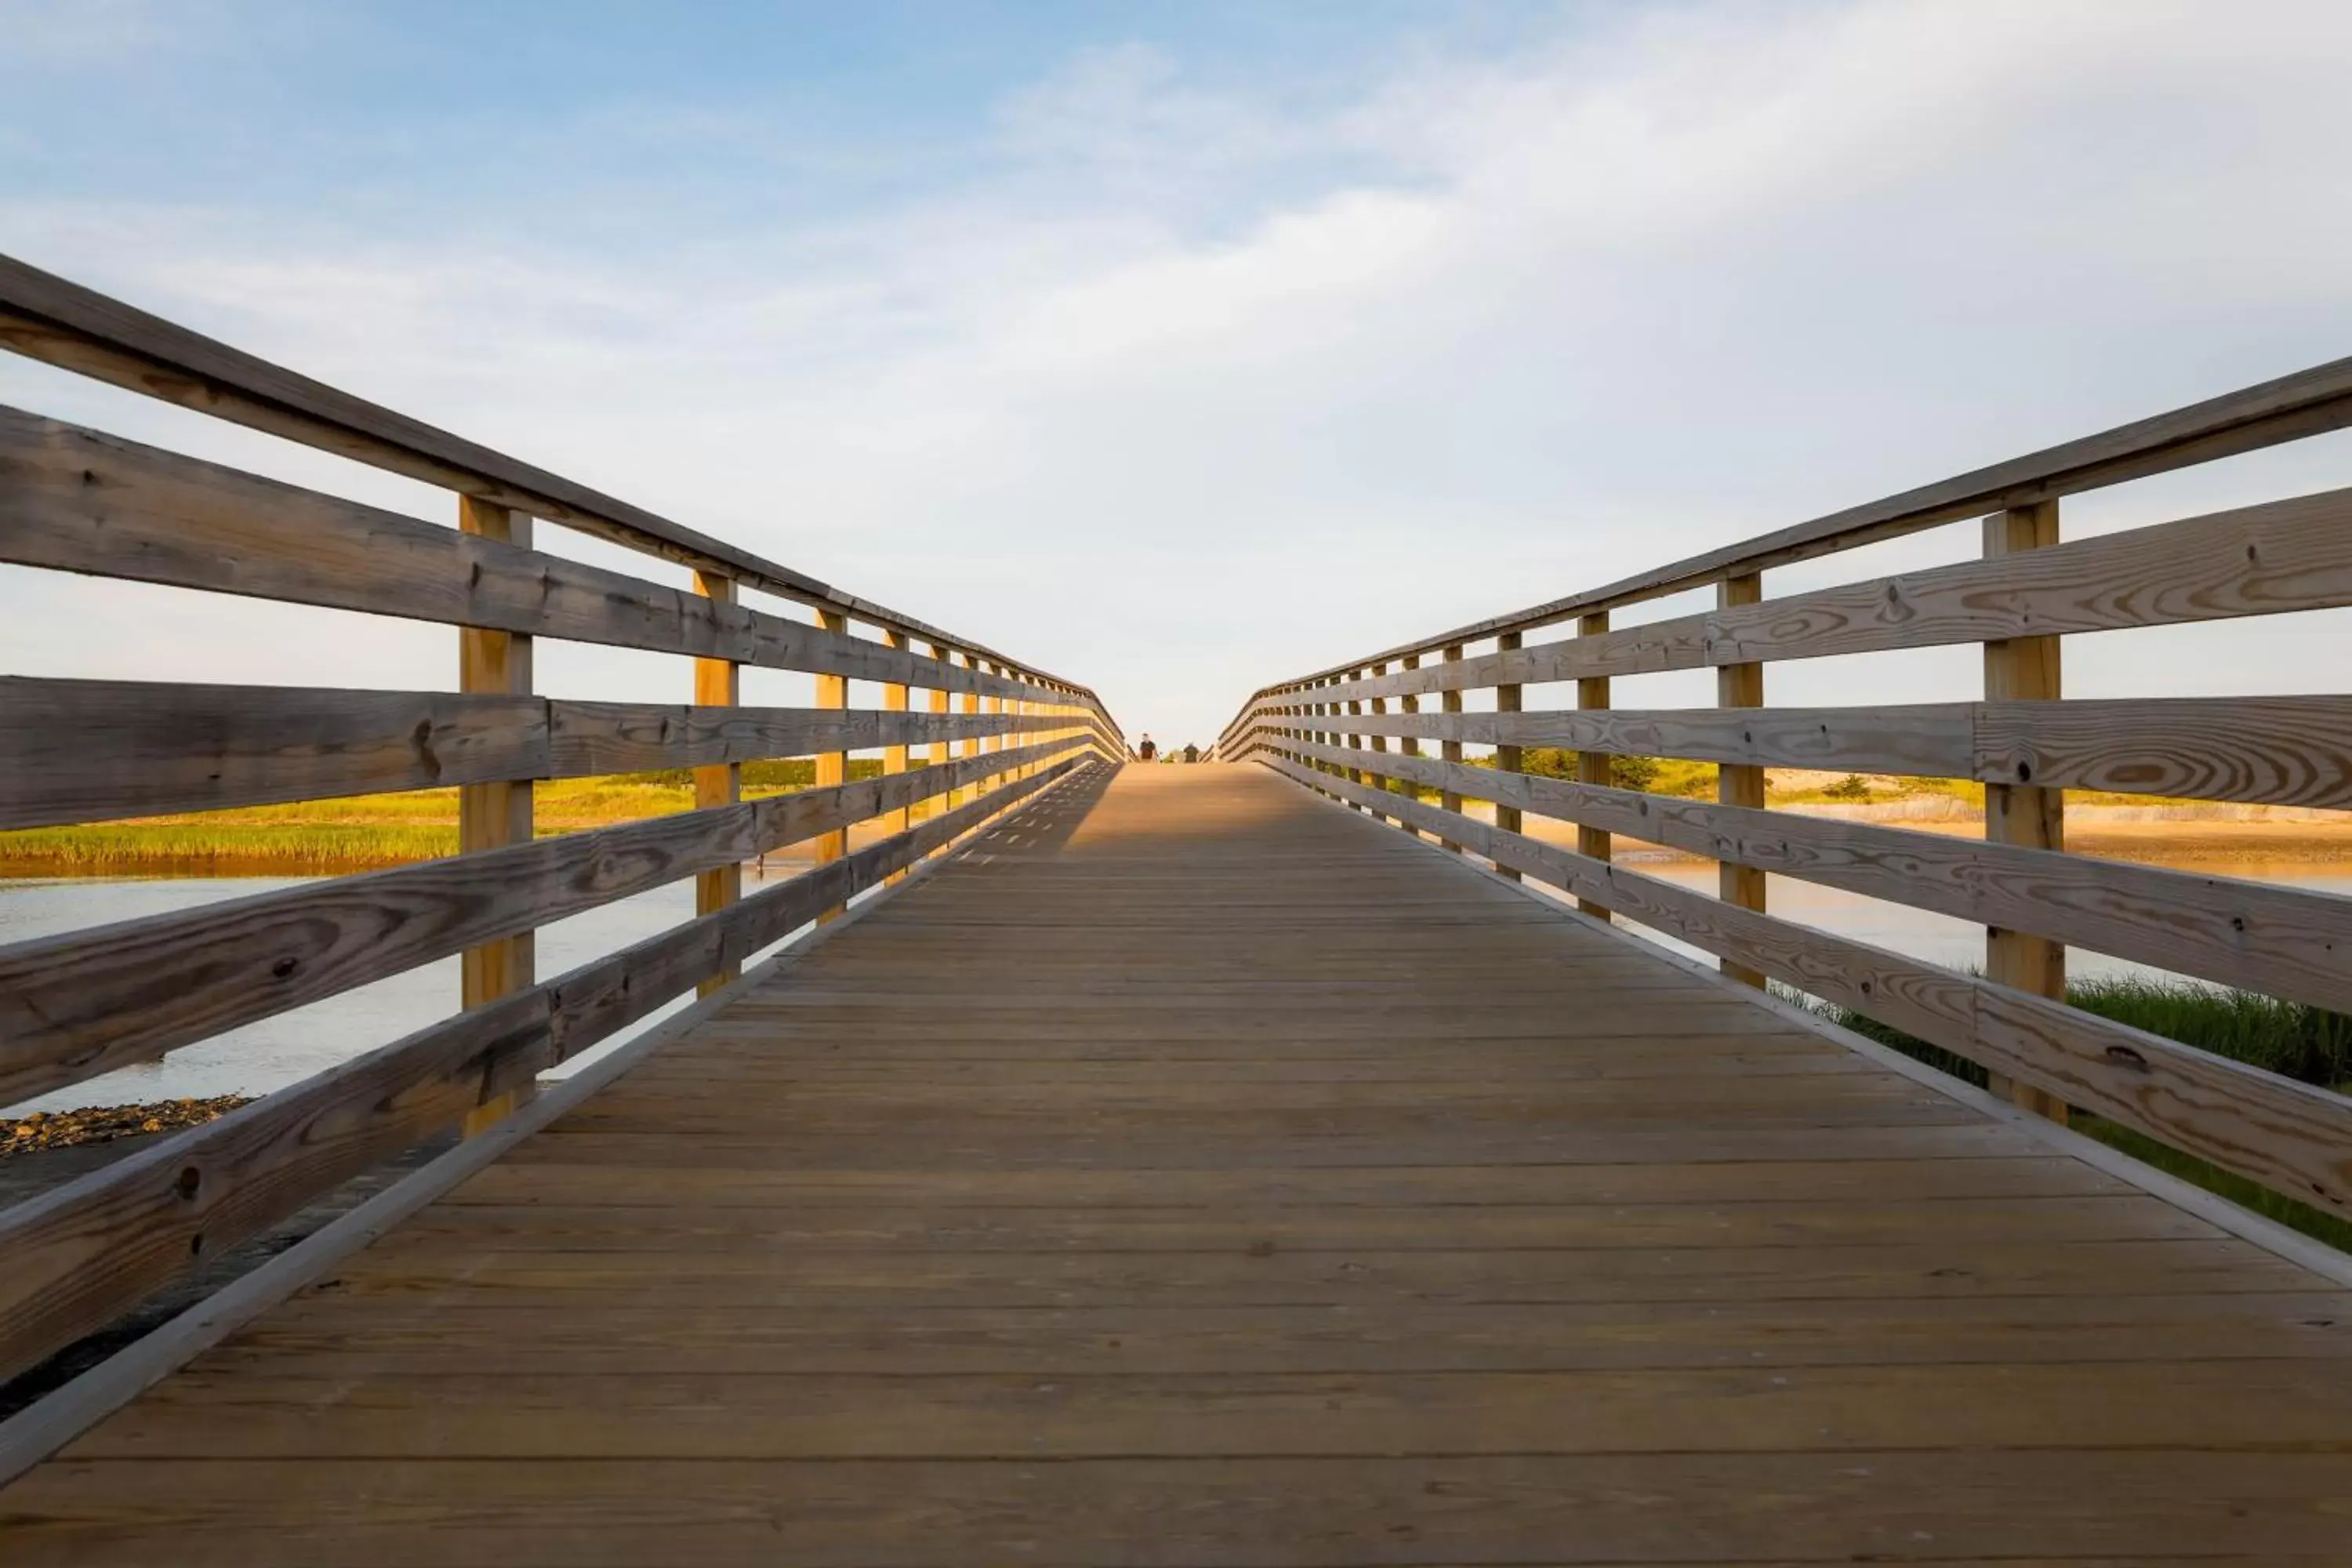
{"x": 1183, "y": 347}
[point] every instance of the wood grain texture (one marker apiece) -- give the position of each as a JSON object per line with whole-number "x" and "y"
{"x": 2029, "y": 816}
{"x": 2289, "y": 1136}
{"x": 2272, "y": 559}
{"x": 1740, "y": 686}
{"x": 74, "y": 500}
{"x": 2287, "y": 409}
{"x": 92, "y": 750}
{"x": 50, "y": 318}
{"x": 2284, "y": 941}
{"x": 79, "y": 1004}
{"x": 83, "y": 1253}
{"x": 2275, "y": 751}
{"x": 1255, "y": 1258}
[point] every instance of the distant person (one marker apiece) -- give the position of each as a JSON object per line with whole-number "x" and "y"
{"x": 1148, "y": 751}
{"x": 1191, "y": 753}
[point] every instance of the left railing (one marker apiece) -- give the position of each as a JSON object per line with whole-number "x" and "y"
{"x": 78, "y": 1004}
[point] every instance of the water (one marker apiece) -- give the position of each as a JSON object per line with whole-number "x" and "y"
{"x": 278, "y": 1051}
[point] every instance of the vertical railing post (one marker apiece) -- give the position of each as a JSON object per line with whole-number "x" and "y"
{"x": 1355, "y": 742}
{"x": 972, "y": 744}
{"x": 718, "y": 683}
{"x": 894, "y": 758}
{"x": 493, "y": 814}
{"x": 1449, "y": 749}
{"x": 832, "y": 767}
{"x": 1408, "y": 745}
{"x": 1510, "y": 759}
{"x": 1740, "y": 783}
{"x": 1592, "y": 767}
{"x": 1380, "y": 743}
{"x": 938, "y": 754}
{"x": 2025, "y": 670}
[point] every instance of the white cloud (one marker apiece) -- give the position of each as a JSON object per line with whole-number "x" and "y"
{"x": 1197, "y": 384}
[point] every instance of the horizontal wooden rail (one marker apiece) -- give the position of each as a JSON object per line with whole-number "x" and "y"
{"x": 82, "y": 1254}
{"x": 81, "y": 1004}
{"x": 48, "y": 318}
{"x": 2282, "y": 940}
{"x": 84, "y": 750}
{"x": 2274, "y": 751}
{"x": 2272, "y": 559}
{"x": 2308, "y": 403}
{"x": 74, "y": 500}
{"x": 2287, "y": 1135}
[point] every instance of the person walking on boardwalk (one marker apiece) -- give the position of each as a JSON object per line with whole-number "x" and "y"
{"x": 1147, "y": 751}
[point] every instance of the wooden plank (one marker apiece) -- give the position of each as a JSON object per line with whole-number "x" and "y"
{"x": 2272, "y": 559}
{"x": 497, "y": 814}
{"x": 2288, "y": 409}
{"x": 83, "y": 751}
{"x": 74, "y": 500}
{"x": 1740, "y": 686}
{"x": 81, "y": 1254}
{"x": 48, "y": 318}
{"x": 2031, "y": 816}
{"x": 1451, "y": 749}
{"x": 2275, "y": 751}
{"x": 1508, "y": 757}
{"x": 718, "y": 683}
{"x": 83, "y": 1003}
{"x": 833, "y": 767}
{"x": 1593, "y": 767}
{"x": 2289, "y": 1136}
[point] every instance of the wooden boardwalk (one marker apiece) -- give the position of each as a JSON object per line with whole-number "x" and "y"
{"x": 1199, "y": 1172}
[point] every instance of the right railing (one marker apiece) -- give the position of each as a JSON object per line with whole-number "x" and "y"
{"x": 1355, "y": 731}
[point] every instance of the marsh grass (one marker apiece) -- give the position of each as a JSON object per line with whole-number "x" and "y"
{"x": 358, "y": 833}
{"x": 2290, "y": 1038}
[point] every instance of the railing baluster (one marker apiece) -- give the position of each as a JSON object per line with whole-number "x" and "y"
{"x": 718, "y": 683}
{"x": 1737, "y": 784}
{"x": 1593, "y": 767}
{"x": 492, "y": 815}
{"x": 1409, "y": 745}
{"x": 2025, "y": 668}
{"x": 1508, "y": 759}
{"x": 1450, "y": 748}
{"x": 832, "y": 767}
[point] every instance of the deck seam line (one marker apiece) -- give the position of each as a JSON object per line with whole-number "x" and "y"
{"x": 37, "y": 1432}
{"x": 2295, "y": 1247}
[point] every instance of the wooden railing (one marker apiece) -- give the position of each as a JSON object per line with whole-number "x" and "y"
{"x": 1331, "y": 729}
{"x": 75, "y": 1005}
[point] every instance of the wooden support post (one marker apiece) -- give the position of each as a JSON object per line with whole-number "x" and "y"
{"x": 1355, "y": 742}
{"x": 718, "y": 683}
{"x": 971, "y": 747}
{"x": 2024, "y": 668}
{"x": 832, "y": 767}
{"x": 1740, "y": 783}
{"x": 938, "y": 754}
{"x": 1450, "y": 748}
{"x": 894, "y": 758}
{"x": 1407, "y": 744}
{"x": 992, "y": 705}
{"x": 1380, "y": 743}
{"x": 1507, "y": 759}
{"x": 491, "y": 816}
{"x": 1592, "y": 767}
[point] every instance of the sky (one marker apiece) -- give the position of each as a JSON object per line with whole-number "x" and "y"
{"x": 1180, "y": 349}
